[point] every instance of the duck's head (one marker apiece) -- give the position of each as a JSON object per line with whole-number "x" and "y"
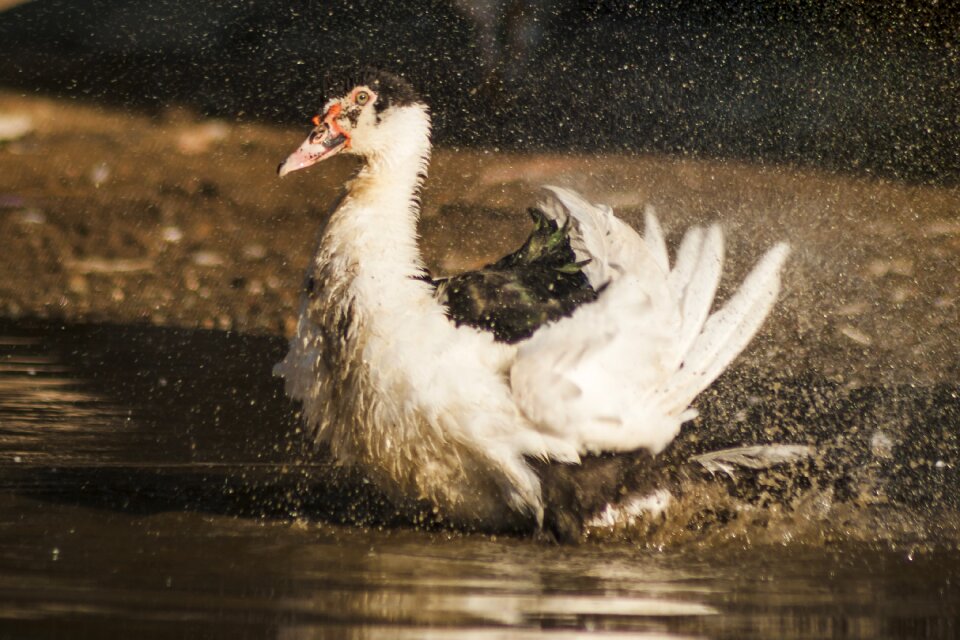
{"x": 364, "y": 117}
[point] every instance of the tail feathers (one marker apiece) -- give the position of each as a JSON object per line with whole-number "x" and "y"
{"x": 695, "y": 289}
{"x": 728, "y": 331}
{"x": 621, "y": 373}
{"x": 653, "y": 237}
{"x": 687, "y": 256}
{"x": 706, "y": 344}
{"x": 693, "y": 281}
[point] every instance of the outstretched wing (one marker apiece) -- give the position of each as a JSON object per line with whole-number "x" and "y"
{"x": 620, "y": 374}
{"x": 540, "y": 282}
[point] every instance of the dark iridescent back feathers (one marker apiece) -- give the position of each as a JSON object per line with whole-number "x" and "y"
{"x": 539, "y": 283}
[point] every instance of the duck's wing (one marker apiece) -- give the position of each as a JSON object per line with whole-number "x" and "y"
{"x": 540, "y": 282}
{"x": 620, "y": 374}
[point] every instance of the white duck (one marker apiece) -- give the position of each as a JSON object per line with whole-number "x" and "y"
{"x": 460, "y": 391}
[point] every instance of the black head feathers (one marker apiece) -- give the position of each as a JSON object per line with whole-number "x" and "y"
{"x": 391, "y": 90}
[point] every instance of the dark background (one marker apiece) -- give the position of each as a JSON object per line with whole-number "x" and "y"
{"x": 859, "y": 87}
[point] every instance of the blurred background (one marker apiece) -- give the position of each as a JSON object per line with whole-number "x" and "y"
{"x": 860, "y": 87}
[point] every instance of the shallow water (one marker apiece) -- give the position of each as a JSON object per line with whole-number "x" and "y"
{"x": 146, "y": 490}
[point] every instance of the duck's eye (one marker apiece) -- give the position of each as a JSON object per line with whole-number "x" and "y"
{"x": 362, "y": 97}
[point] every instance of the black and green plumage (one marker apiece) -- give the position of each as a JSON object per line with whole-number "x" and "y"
{"x": 540, "y": 282}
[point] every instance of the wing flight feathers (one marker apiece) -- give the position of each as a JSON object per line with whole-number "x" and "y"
{"x": 620, "y": 373}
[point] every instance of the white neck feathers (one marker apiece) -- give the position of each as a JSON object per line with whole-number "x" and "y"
{"x": 378, "y": 218}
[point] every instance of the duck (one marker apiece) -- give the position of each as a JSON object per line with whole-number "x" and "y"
{"x": 478, "y": 394}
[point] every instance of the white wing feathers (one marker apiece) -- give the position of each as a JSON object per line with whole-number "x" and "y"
{"x": 620, "y": 373}
{"x": 728, "y": 331}
{"x": 597, "y": 236}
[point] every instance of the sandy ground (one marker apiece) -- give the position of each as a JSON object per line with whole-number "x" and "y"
{"x": 108, "y": 216}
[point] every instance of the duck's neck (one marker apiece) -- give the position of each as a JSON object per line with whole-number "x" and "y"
{"x": 375, "y": 227}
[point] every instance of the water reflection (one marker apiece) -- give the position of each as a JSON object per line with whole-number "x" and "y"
{"x": 40, "y": 401}
{"x": 211, "y": 576}
{"x": 477, "y": 583}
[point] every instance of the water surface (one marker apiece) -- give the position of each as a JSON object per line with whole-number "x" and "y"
{"x": 150, "y": 487}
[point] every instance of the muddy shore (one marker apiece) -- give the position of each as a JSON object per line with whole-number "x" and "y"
{"x": 172, "y": 220}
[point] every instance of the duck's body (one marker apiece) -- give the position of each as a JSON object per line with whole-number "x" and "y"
{"x": 437, "y": 395}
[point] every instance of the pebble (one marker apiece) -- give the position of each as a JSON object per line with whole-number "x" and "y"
{"x": 856, "y": 335}
{"x": 99, "y": 174}
{"x": 31, "y": 216}
{"x": 255, "y": 287}
{"x": 190, "y": 280}
{"x": 97, "y": 264}
{"x": 896, "y": 266}
{"x": 14, "y": 126}
{"x": 207, "y": 259}
{"x": 901, "y": 294}
{"x": 78, "y": 284}
{"x": 199, "y": 139}
{"x": 853, "y": 309}
{"x": 881, "y": 444}
{"x": 254, "y": 252}
{"x": 171, "y": 234}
